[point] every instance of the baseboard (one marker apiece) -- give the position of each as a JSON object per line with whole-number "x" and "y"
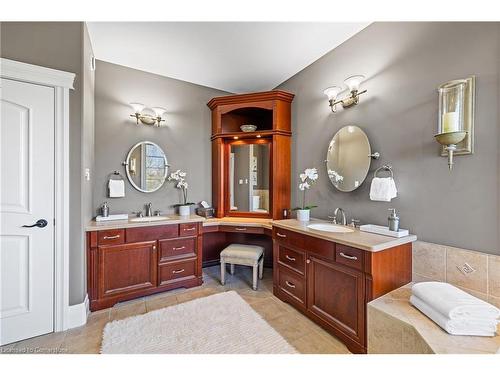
{"x": 77, "y": 314}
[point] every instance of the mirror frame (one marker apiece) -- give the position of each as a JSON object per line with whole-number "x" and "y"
{"x": 127, "y": 161}
{"x": 227, "y": 151}
{"x": 368, "y": 155}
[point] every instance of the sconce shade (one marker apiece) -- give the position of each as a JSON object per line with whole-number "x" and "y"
{"x": 354, "y": 82}
{"x": 332, "y": 92}
{"x": 137, "y": 107}
{"x": 159, "y": 111}
{"x": 451, "y": 106}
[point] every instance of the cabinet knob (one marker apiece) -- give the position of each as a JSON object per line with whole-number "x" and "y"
{"x": 308, "y": 261}
{"x": 154, "y": 247}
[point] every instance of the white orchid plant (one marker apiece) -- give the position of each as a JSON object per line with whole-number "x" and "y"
{"x": 307, "y": 179}
{"x": 179, "y": 178}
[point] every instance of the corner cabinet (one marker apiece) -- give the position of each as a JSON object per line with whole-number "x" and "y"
{"x": 331, "y": 283}
{"x": 127, "y": 263}
{"x": 271, "y": 112}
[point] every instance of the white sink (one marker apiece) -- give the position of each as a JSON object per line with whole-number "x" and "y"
{"x": 325, "y": 227}
{"x": 147, "y": 219}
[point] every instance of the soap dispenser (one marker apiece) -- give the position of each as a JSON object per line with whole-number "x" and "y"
{"x": 105, "y": 209}
{"x": 393, "y": 220}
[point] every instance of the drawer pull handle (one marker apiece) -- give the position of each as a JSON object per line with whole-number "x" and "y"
{"x": 281, "y": 235}
{"x": 179, "y": 248}
{"x": 178, "y": 271}
{"x": 289, "y": 284}
{"x": 348, "y": 256}
{"x": 111, "y": 237}
{"x": 241, "y": 229}
{"x": 193, "y": 228}
{"x": 290, "y": 258}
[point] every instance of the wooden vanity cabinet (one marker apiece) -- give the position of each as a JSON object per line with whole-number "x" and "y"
{"x": 270, "y": 111}
{"x": 127, "y": 263}
{"x": 331, "y": 283}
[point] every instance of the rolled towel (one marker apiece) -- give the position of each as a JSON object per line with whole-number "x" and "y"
{"x": 116, "y": 188}
{"x": 459, "y": 326}
{"x": 383, "y": 189}
{"x": 452, "y": 302}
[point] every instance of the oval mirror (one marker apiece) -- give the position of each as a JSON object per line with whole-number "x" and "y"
{"x": 146, "y": 166}
{"x": 348, "y": 158}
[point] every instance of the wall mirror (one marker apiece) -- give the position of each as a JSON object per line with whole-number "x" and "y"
{"x": 146, "y": 166}
{"x": 348, "y": 158}
{"x": 249, "y": 177}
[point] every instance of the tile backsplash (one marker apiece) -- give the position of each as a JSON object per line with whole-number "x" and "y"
{"x": 476, "y": 273}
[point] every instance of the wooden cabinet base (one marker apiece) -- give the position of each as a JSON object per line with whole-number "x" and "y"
{"x": 333, "y": 289}
{"x": 130, "y": 263}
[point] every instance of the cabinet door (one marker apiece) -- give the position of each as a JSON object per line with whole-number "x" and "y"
{"x": 126, "y": 268}
{"x": 336, "y": 295}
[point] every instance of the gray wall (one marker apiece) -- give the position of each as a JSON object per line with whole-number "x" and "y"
{"x": 185, "y": 139}
{"x": 58, "y": 45}
{"x": 404, "y": 63}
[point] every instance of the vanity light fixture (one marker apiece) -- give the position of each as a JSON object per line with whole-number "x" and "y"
{"x": 456, "y": 118}
{"x": 146, "y": 119}
{"x": 352, "y": 84}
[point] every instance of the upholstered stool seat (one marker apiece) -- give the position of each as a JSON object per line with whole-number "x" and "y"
{"x": 244, "y": 255}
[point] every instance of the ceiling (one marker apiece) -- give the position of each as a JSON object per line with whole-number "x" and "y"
{"x": 232, "y": 56}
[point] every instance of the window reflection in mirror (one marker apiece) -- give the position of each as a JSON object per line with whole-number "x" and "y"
{"x": 146, "y": 167}
{"x": 249, "y": 178}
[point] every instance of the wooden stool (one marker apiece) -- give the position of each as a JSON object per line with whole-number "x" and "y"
{"x": 243, "y": 255}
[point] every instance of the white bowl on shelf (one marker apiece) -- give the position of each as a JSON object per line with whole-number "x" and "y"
{"x": 247, "y": 128}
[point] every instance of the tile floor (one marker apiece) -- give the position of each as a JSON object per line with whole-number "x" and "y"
{"x": 299, "y": 331}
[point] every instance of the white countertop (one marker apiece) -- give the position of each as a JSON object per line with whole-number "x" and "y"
{"x": 119, "y": 224}
{"x": 361, "y": 240}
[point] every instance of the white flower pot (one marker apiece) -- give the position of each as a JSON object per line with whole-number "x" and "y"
{"x": 303, "y": 215}
{"x": 185, "y": 210}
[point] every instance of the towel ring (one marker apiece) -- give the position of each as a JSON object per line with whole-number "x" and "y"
{"x": 115, "y": 173}
{"x": 385, "y": 167}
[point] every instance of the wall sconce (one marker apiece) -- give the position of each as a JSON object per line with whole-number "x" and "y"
{"x": 456, "y": 118}
{"x": 352, "y": 84}
{"x": 147, "y": 119}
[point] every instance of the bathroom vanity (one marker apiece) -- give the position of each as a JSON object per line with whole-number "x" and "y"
{"x": 330, "y": 277}
{"x": 127, "y": 259}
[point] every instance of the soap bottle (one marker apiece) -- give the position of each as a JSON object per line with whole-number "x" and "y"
{"x": 393, "y": 220}
{"x": 105, "y": 209}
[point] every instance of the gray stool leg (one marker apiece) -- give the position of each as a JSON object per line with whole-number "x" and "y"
{"x": 261, "y": 268}
{"x": 232, "y": 268}
{"x": 255, "y": 267}
{"x": 222, "y": 272}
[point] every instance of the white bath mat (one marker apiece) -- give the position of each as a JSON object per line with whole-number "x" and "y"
{"x": 218, "y": 324}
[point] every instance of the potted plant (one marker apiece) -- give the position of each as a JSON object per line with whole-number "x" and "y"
{"x": 307, "y": 179}
{"x": 179, "y": 178}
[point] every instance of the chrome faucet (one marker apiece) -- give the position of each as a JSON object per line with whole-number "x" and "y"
{"x": 335, "y": 214}
{"x": 149, "y": 209}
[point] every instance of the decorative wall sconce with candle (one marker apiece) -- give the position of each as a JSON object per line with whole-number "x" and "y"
{"x": 352, "y": 84}
{"x": 456, "y": 118}
{"x": 146, "y": 119}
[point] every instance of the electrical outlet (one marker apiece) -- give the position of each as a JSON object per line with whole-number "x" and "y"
{"x": 466, "y": 268}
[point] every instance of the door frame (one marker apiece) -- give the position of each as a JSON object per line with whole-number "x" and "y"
{"x": 62, "y": 82}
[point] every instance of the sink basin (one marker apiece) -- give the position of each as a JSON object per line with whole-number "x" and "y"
{"x": 147, "y": 219}
{"x": 325, "y": 227}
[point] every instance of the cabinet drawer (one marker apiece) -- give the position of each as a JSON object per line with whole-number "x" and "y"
{"x": 241, "y": 229}
{"x": 152, "y": 233}
{"x": 292, "y": 258}
{"x": 291, "y": 284}
{"x": 322, "y": 248}
{"x": 177, "y": 271}
{"x": 349, "y": 256}
{"x": 111, "y": 237}
{"x": 190, "y": 229}
{"x": 181, "y": 248}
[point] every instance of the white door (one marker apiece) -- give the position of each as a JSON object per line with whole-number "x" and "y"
{"x": 26, "y": 196}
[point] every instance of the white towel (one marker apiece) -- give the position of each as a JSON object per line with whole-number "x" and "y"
{"x": 383, "y": 189}
{"x": 460, "y": 326}
{"x": 116, "y": 188}
{"x": 452, "y": 302}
